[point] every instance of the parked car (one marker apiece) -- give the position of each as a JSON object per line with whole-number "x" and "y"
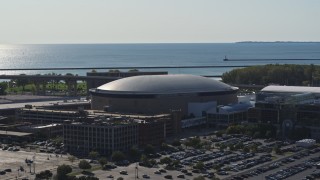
{"x": 124, "y": 172}
{"x": 145, "y": 176}
{"x": 180, "y": 176}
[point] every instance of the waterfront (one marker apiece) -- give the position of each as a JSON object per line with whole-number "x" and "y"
{"x": 146, "y": 55}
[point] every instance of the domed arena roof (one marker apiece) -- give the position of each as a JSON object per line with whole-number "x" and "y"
{"x": 164, "y": 84}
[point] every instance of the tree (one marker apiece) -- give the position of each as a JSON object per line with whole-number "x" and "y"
{"x": 144, "y": 159}
{"x": 193, "y": 142}
{"x": 199, "y": 165}
{"x": 277, "y": 149}
{"x": 83, "y": 164}
{"x": 222, "y": 147}
{"x": 268, "y": 134}
{"x": 257, "y": 135}
{"x": 165, "y": 160}
{"x": 239, "y": 146}
{"x": 62, "y": 172}
{"x": 87, "y": 178}
{"x": 246, "y": 149}
{"x": 134, "y": 154}
{"x": 176, "y": 143}
{"x": 103, "y": 161}
{"x": 199, "y": 178}
{"x": 22, "y": 81}
{"x": 3, "y": 88}
{"x": 117, "y": 156}
{"x": 71, "y": 159}
{"x": 219, "y": 133}
{"x": 44, "y": 175}
{"x": 94, "y": 154}
{"x": 231, "y": 147}
{"x": 254, "y": 148}
{"x": 149, "y": 149}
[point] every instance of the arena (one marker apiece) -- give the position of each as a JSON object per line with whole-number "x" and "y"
{"x": 162, "y": 93}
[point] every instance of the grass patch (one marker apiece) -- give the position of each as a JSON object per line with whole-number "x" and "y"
{"x": 95, "y": 168}
{"x": 57, "y": 87}
{"x": 288, "y": 153}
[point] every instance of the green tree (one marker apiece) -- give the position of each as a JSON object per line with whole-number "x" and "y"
{"x": 231, "y": 147}
{"x": 87, "y": 178}
{"x": 117, "y": 156}
{"x": 144, "y": 160}
{"x": 71, "y": 159}
{"x": 103, "y": 161}
{"x": 62, "y": 172}
{"x": 239, "y": 146}
{"x": 277, "y": 149}
{"x": 3, "y": 88}
{"x": 44, "y": 175}
{"x": 246, "y": 149}
{"x": 176, "y": 143}
{"x": 22, "y": 82}
{"x": 257, "y": 135}
{"x": 83, "y": 164}
{"x": 193, "y": 142}
{"x": 165, "y": 160}
{"x": 199, "y": 165}
{"x": 199, "y": 178}
{"x": 149, "y": 149}
{"x": 134, "y": 154}
{"x": 219, "y": 133}
{"x": 268, "y": 134}
{"x": 94, "y": 155}
{"x": 164, "y": 146}
{"x": 254, "y": 148}
{"x": 222, "y": 147}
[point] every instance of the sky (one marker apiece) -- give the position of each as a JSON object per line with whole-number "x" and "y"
{"x": 157, "y": 21}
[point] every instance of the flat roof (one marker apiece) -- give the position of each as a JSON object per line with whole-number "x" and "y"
{"x": 292, "y": 89}
{"x": 19, "y": 101}
{"x": 14, "y": 133}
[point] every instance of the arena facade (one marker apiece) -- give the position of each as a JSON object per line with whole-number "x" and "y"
{"x": 151, "y": 94}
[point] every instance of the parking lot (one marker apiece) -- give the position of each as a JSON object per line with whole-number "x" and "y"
{"x": 14, "y": 160}
{"x": 293, "y": 163}
{"x": 248, "y": 159}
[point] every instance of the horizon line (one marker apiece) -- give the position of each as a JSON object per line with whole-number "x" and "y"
{"x": 119, "y": 43}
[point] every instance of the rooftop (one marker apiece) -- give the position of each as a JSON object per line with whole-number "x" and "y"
{"x": 14, "y": 133}
{"x": 164, "y": 84}
{"x": 292, "y": 89}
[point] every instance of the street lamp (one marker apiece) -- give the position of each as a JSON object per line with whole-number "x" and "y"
{"x": 136, "y": 172}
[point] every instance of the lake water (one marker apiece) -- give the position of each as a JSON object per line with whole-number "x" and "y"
{"x": 128, "y": 55}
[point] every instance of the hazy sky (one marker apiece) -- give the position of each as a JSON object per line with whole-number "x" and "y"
{"x": 147, "y": 21}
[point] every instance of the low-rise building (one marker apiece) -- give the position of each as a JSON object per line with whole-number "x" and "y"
{"x": 102, "y": 136}
{"x": 289, "y": 108}
{"x": 229, "y": 114}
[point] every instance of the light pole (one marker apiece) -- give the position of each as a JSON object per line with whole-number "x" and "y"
{"x": 136, "y": 172}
